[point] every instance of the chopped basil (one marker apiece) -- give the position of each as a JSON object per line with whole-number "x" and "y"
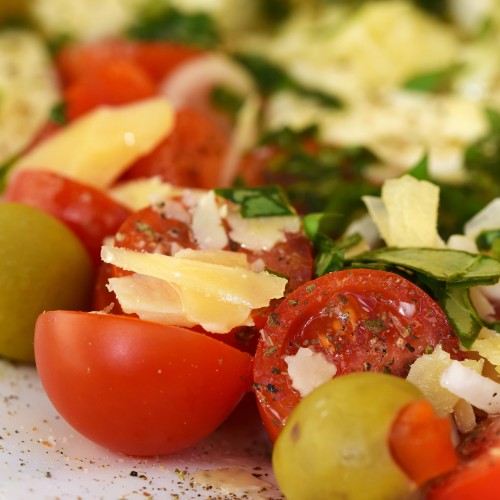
{"x": 160, "y": 22}
{"x": 455, "y": 302}
{"x": 487, "y": 240}
{"x": 329, "y": 254}
{"x": 227, "y": 101}
{"x": 451, "y": 266}
{"x": 58, "y": 113}
{"x": 421, "y": 170}
{"x": 266, "y": 201}
{"x": 271, "y": 78}
{"x": 446, "y": 274}
{"x": 434, "y": 81}
{"x": 319, "y": 177}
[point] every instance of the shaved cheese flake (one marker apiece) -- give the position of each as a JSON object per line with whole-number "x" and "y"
{"x": 77, "y": 152}
{"x": 261, "y": 233}
{"x": 207, "y": 223}
{"x": 308, "y": 370}
{"x": 406, "y": 214}
{"x": 222, "y": 257}
{"x": 140, "y": 193}
{"x": 229, "y": 284}
{"x": 378, "y": 213}
{"x": 150, "y": 298}
{"x": 488, "y": 347}
{"x": 481, "y": 392}
{"x": 412, "y": 212}
{"x": 426, "y": 372}
{"x": 165, "y": 302}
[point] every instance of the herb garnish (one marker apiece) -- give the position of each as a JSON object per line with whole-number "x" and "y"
{"x": 163, "y": 23}
{"x": 265, "y": 201}
{"x": 271, "y": 78}
{"x": 446, "y": 274}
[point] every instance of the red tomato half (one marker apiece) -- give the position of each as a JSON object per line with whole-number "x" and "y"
{"x": 158, "y": 59}
{"x": 192, "y": 155}
{"x": 88, "y": 212}
{"x": 359, "y": 319}
{"x": 114, "y": 84}
{"x": 136, "y": 387}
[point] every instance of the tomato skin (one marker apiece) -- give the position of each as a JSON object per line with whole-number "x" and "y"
{"x": 191, "y": 156}
{"x": 136, "y": 387}
{"x": 88, "y": 212}
{"x": 116, "y": 83}
{"x": 157, "y": 59}
{"x": 477, "y": 476}
{"x": 354, "y": 318}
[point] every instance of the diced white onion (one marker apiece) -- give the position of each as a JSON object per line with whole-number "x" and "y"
{"x": 479, "y": 391}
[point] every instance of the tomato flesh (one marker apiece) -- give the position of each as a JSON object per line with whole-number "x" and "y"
{"x": 88, "y": 212}
{"x": 136, "y": 387}
{"x": 360, "y": 320}
{"x": 191, "y": 156}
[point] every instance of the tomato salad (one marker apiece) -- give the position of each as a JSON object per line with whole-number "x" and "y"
{"x": 219, "y": 267}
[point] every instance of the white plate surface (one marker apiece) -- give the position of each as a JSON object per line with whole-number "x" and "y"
{"x": 42, "y": 457}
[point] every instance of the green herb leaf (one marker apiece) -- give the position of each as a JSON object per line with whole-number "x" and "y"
{"x": 455, "y": 302}
{"x": 58, "y": 113}
{"x": 266, "y": 201}
{"x": 434, "y": 81}
{"x": 421, "y": 170}
{"x": 451, "y": 266}
{"x": 159, "y": 22}
{"x": 486, "y": 239}
{"x": 270, "y": 78}
{"x": 227, "y": 101}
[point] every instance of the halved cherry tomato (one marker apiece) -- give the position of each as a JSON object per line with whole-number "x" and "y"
{"x": 119, "y": 82}
{"x": 477, "y": 476}
{"x": 136, "y": 387}
{"x": 151, "y": 230}
{"x": 360, "y": 319}
{"x": 192, "y": 155}
{"x": 156, "y": 58}
{"x": 88, "y": 212}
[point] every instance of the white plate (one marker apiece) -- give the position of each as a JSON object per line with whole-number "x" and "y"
{"x": 41, "y": 457}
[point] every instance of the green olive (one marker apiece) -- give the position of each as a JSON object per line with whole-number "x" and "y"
{"x": 335, "y": 442}
{"x": 43, "y": 266}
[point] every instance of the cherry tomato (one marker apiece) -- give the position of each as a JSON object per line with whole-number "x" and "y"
{"x": 192, "y": 155}
{"x": 88, "y": 212}
{"x": 158, "y": 59}
{"x": 152, "y": 231}
{"x": 360, "y": 320}
{"x": 118, "y": 82}
{"x": 477, "y": 475}
{"x": 136, "y": 387}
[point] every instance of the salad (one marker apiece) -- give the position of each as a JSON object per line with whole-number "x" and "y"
{"x": 296, "y": 203}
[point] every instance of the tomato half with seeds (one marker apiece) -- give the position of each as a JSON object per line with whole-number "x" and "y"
{"x": 360, "y": 320}
{"x": 136, "y": 387}
{"x": 87, "y": 211}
